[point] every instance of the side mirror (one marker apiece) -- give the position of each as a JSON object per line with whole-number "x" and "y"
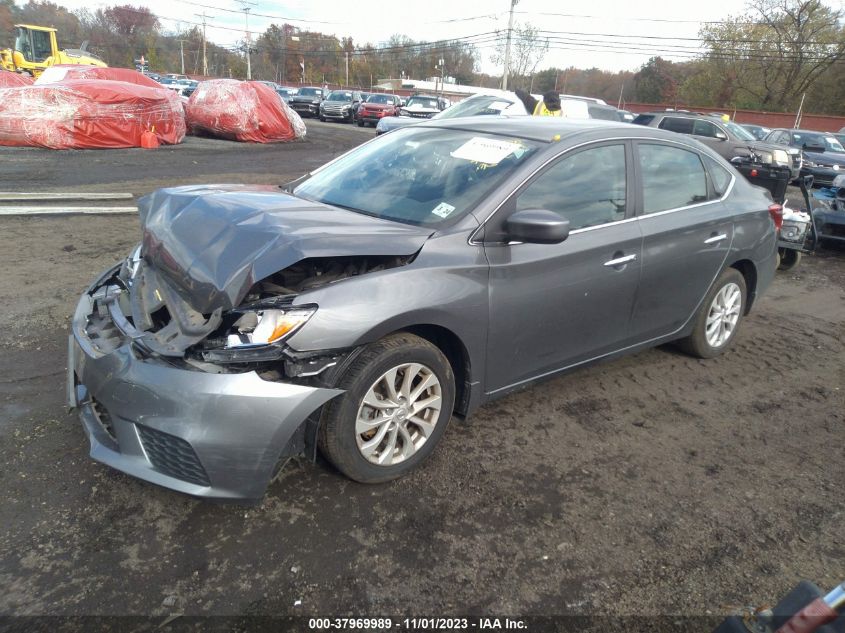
{"x": 818, "y": 149}
{"x": 536, "y": 226}
{"x": 721, "y": 136}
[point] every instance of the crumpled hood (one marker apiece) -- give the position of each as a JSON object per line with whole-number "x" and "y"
{"x": 213, "y": 242}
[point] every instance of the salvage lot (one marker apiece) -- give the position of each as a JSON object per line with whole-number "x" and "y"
{"x": 653, "y": 484}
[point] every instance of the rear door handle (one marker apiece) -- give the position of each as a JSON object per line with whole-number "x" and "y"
{"x": 716, "y": 238}
{"x": 619, "y": 261}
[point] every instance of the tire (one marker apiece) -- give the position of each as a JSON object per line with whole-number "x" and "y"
{"x": 361, "y": 123}
{"x": 322, "y": 118}
{"x": 709, "y": 345}
{"x": 355, "y": 443}
{"x": 789, "y": 258}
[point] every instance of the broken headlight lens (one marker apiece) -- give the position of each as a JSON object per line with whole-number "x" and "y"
{"x": 265, "y": 326}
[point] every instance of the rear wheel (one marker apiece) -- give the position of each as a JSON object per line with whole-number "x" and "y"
{"x": 399, "y": 397}
{"x": 718, "y": 317}
{"x": 361, "y": 123}
{"x": 789, "y": 258}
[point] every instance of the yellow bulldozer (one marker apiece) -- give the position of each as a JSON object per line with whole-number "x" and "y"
{"x": 36, "y": 48}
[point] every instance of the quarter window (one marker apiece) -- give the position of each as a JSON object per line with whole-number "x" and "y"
{"x": 586, "y": 188}
{"x": 720, "y": 176}
{"x": 672, "y": 177}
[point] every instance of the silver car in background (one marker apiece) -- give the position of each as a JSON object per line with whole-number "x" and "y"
{"x": 417, "y": 277}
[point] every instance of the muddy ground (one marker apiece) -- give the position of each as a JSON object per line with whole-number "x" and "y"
{"x": 656, "y": 484}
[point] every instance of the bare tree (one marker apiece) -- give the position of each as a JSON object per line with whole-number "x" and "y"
{"x": 528, "y": 48}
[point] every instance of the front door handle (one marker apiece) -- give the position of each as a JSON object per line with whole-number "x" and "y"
{"x": 619, "y": 261}
{"x": 716, "y": 238}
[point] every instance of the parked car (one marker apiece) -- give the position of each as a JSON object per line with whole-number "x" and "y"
{"x": 420, "y": 275}
{"x": 340, "y": 104}
{"x": 764, "y": 164}
{"x": 286, "y": 93}
{"x": 823, "y": 154}
{"x": 307, "y": 101}
{"x": 609, "y": 113}
{"x": 506, "y": 103}
{"x": 375, "y": 108}
{"x": 757, "y": 131}
{"x": 423, "y": 106}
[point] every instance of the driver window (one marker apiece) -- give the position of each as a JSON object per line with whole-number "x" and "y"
{"x": 704, "y": 128}
{"x": 587, "y": 188}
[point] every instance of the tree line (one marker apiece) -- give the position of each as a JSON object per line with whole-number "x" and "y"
{"x": 766, "y": 58}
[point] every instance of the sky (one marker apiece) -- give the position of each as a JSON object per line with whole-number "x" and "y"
{"x": 606, "y": 34}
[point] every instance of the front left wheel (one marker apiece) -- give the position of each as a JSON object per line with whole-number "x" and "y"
{"x": 399, "y": 397}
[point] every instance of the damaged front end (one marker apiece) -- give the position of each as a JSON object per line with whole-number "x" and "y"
{"x": 178, "y": 360}
{"x": 206, "y": 404}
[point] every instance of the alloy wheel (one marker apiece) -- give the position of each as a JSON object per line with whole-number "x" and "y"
{"x": 723, "y": 315}
{"x": 398, "y": 414}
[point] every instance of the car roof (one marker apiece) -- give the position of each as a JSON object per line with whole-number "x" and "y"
{"x": 545, "y": 128}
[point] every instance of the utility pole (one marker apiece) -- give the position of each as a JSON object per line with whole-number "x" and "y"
{"x": 204, "y": 40}
{"x": 246, "y": 10}
{"x": 508, "y": 47}
{"x": 621, "y": 90}
{"x": 347, "y": 69}
{"x": 442, "y": 75}
{"x": 182, "y": 53}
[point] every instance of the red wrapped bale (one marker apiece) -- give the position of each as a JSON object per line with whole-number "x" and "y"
{"x": 73, "y": 72}
{"x": 242, "y": 111}
{"x": 14, "y": 80}
{"x": 88, "y": 114}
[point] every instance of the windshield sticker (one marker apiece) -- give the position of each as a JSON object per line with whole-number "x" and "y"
{"x": 443, "y": 210}
{"x": 485, "y": 150}
{"x": 830, "y": 140}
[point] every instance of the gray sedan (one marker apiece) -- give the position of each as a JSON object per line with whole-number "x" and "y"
{"x": 418, "y": 277}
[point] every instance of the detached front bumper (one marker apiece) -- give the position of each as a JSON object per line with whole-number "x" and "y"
{"x": 204, "y": 434}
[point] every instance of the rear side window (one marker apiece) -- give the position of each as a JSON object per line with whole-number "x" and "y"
{"x": 643, "y": 119}
{"x": 673, "y": 124}
{"x": 672, "y": 177}
{"x": 586, "y": 188}
{"x": 720, "y": 177}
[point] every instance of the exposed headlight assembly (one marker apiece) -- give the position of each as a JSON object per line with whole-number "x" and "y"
{"x": 263, "y": 327}
{"x": 255, "y": 333}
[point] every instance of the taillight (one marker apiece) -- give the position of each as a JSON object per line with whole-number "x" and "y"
{"x": 776, "y": 211}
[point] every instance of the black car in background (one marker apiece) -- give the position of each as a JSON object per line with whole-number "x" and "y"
{"x": 764, "y": 164}
{"x": 824, "y": 155}
{"x": 307, "y": 101}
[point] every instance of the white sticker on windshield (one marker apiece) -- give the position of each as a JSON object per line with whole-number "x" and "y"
{"x": 485, "y": 150}
{"x": 830, "y": 140}
{"x": 498, "y": 105}
{"x": 443, "y": 210}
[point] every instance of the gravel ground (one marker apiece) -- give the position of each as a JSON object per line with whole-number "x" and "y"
{"x": 656, "y": 484}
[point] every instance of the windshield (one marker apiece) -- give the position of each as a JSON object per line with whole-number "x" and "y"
{"x": 380, "y": 99}
{"x": 829, "y": 143}
{"x": 311, "y": 92}
{"x": 422, "y": 102}
{"x": 420, "y": 176}
{"x": 474, "y": 106}
{"x": 339, "y": 96}
{"x": 739, "y": 131}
